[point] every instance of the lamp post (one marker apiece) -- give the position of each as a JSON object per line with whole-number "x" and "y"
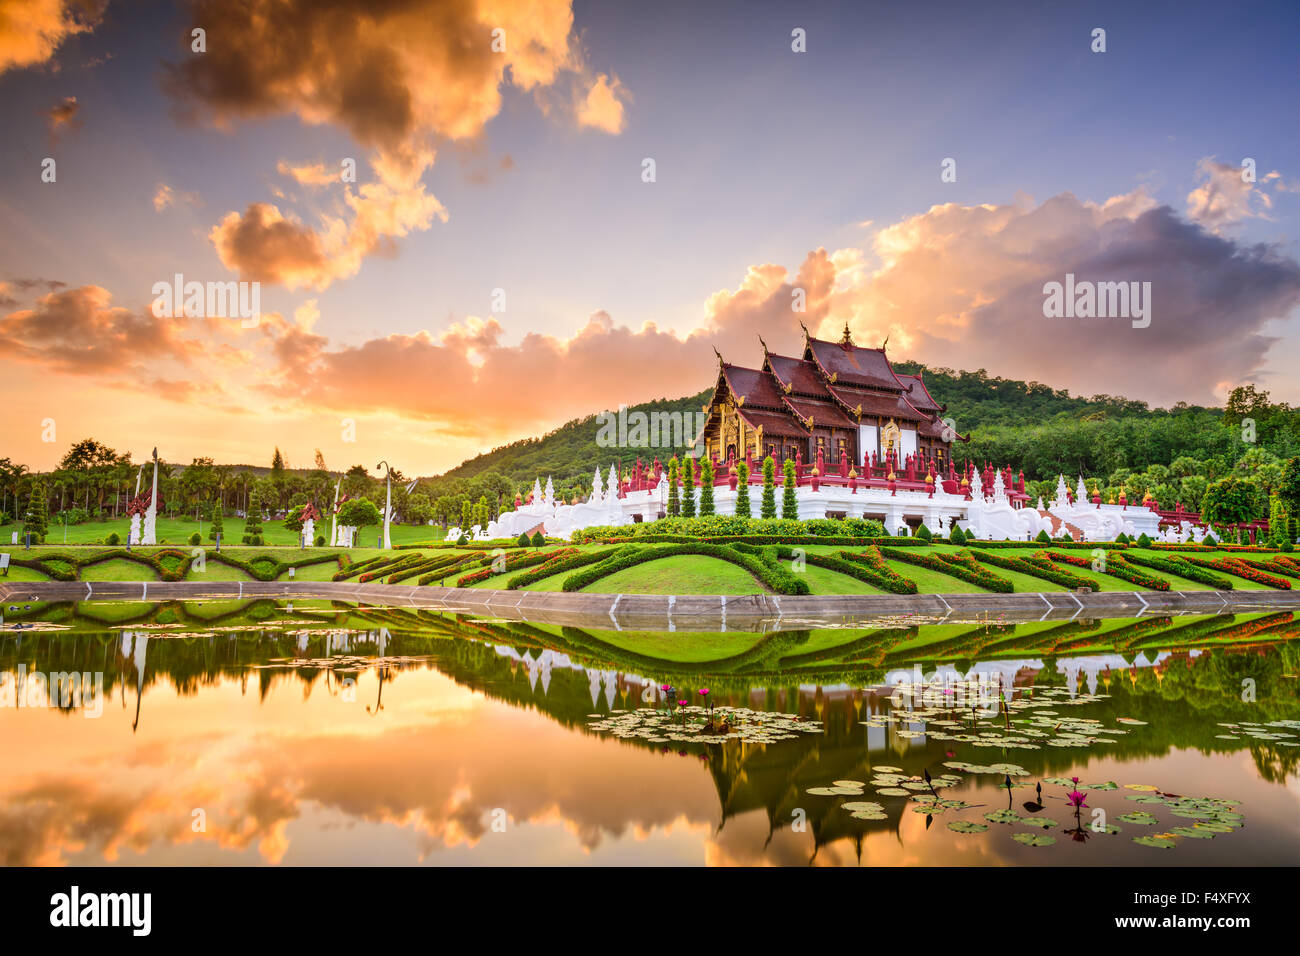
{"x": 384, "y": 541}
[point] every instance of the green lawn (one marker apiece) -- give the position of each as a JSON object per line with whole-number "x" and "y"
{"x": 680, "y": 574}
{"x": 177, "y": 531}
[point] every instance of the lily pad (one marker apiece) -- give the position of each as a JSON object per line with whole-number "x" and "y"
{"x": 1003, "y": 816}
{"x": 1043, "y": 823}
{"x": 1160, "y": 843}
{"x": 1034, "y": 839}
{"x": 967, "y": 826}
{"x": 1140, "y": 817}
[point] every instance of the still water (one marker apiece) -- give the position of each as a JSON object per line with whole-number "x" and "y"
{"x": 317, "y": 733}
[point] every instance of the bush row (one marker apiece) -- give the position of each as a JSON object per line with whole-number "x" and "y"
{"x": 960, "y": 565}
{"x": 866, "y": 565}
{"x": 558, "y": 565}
{"x": 1116, "y": 566}
{"x": 1241, "y": 569}
{"x": 1035, "y": 568}
{"x": 512, "y": 562}
{"x": 1179, "y": 567}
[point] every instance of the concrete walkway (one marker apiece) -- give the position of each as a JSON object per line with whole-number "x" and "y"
{"x": 750, "y": 612}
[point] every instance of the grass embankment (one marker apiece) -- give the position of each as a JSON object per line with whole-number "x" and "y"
{"x": 660, "y": 568}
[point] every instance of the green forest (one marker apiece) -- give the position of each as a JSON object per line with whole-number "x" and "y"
{"x": 1237, "y": 462}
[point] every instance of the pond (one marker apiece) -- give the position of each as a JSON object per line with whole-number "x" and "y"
{"x": 313, "y": 732}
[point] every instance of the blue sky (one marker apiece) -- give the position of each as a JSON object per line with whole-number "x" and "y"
{"x": 763, "y": 156}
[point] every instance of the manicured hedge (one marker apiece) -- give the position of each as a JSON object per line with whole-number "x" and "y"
{"x": 866, "y": 565}
{"x": 444, "y": 563}
{"x": 767, "y": 539}
{"x": 961, "y": 565}
{"x": 770, "y": 573}
{"x": 1243, "y": 570}
{"x": 1116, "y": 566}
{"x": 1035, "y": 567}
{"x": 513, "y": 562}
{"x": 558, "y": 565}
{"x": 1182, "y": 568}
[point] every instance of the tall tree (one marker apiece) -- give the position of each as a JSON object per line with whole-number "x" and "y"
{"x": 768, "y": 507}
{"x": 789, "y": 500}
{"x": 706, "y": 487}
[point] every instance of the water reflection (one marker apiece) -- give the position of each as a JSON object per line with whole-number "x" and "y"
{"x": 258, "y": 733}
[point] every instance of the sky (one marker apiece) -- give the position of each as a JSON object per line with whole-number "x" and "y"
{"x": 469, "y": 222}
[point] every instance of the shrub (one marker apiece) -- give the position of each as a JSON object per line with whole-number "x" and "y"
{"x": 537, "y": 540}
{"x": 742, "y": 490}
{"x": 789, "y": 500}
{"x": 113, "y": 538}
{"x": 1035, "y": 568}
{"x": 523, "y": 539}
{"x": 560, "y": 563}
{"x": 706, "y": 487}
{"x": 767, "y": 509}
{"x": 216, "y": 527}
{"x": 955, "y": 535}
{"x": 1043, "y": 537}
{"x": 674, "y": 505}
{"x": 961, "y": 566}
{"x": 320, "y": 540}
{"x": 1178, "y": 567}
{"x": 1143, "y": 541}
{"x": 513, "y": 562}
{"x": 253, "y": 521}
{"x": 462, "y": 540}
{"x": 688, "y": 486}
{"x": 1115, "y": 567}
{"x": 866, "y": 565}
{"x": 196, "y": 539}
{"x": 256, "y": 540}
{"x": 1121, "y": 538}
{"x": 1242, "y": 570}
{"x": 923, "y": 533}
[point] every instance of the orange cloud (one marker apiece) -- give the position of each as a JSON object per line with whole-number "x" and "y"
{"x": 32, "y": 30}
{"x": 79, "y": 331}
{"x": 398, "y": 77}
{"x": 602, "y": 107}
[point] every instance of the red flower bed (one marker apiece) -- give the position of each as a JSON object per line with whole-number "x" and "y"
{"x": 1116, "y": 567}
{"x": 1243, "y": 570}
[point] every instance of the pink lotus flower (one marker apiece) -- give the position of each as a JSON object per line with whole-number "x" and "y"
{"x": 704, "y": 692}
{"x": 1077, "y": 799}
{"x": 682, "y": 703}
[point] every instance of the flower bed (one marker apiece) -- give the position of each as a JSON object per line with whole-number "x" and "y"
{"x": 557, "y": 565}
{"x": 1116, "y": 565}
{"x": 512, "y": 562}
{"x": 1036, "y": 567}
{"x": 866, "y": 566}
{"x": 961, "y": 565}
{"x": 766, "y": 539}
{"x": 1243, "y": 570}
{"x": 1181, "y": 567}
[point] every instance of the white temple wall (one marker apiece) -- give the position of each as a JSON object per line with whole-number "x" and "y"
{"x": 867, "y": 442}
{"x": 906, "y": 442}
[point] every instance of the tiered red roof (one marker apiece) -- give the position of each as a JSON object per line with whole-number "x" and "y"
{"x": 832, "y": 384}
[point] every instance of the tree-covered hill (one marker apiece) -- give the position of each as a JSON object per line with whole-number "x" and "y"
{"x": 571, "y": 451}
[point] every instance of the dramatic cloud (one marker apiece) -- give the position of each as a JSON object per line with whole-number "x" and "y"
{"x": 32, "y": 30}
{"x": 399, "y": 77}
{"x": 1224, "y": 198}
{"x": 264, "y": 245}
{"x": 963, "y": 287}
{"x": 79, "y": 331}
{"x": 959, "y": 286}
